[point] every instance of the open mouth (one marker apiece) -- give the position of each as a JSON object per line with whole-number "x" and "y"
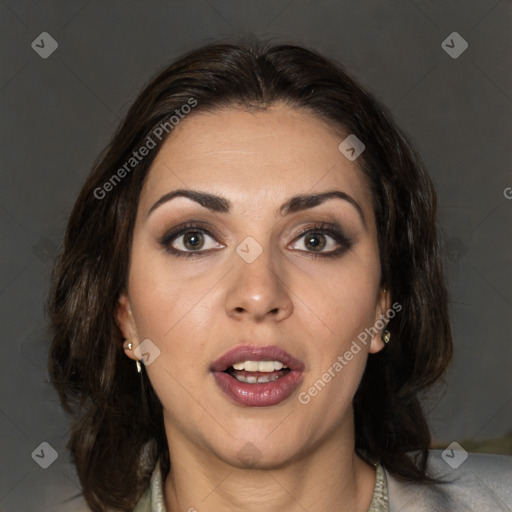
{"x": 257, "y": 372}
{"x": 257, "y": 376}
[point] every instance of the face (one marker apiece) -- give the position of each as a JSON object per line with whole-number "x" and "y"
{"x": 215, "y": 282}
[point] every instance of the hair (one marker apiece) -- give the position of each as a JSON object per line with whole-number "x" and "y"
{"x": 118, "y": 434}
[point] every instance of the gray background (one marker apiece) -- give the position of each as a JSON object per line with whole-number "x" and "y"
{"x": 59, "y": 112}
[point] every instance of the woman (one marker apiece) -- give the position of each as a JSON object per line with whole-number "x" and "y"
{"x": 261, "y": 236}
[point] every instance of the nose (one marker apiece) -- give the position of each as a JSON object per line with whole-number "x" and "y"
{"x": 258, "y": 290}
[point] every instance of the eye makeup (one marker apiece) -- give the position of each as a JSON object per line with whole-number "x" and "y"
{"x": 321, "y": 232}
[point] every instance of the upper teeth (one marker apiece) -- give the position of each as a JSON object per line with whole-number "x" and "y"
{"x": 259, "y": 366}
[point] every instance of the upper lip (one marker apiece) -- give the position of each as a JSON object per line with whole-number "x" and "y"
{"x": 256, "y": 353}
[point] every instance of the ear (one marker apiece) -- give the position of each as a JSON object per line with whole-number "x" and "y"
{"x": 126, "y": 323}
{"x": 381, "y": 321}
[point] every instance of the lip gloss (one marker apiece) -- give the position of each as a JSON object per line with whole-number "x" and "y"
{"x": 258, "y": 394}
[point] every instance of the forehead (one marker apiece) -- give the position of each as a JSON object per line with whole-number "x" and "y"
{"x": 254, "y": 157}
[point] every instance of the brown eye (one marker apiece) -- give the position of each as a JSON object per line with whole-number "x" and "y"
{"x": 193, "y": 240}
{"x": 315, "y": 241}
{"x": 323, "y": 236}
{"x": 189, "y": 240}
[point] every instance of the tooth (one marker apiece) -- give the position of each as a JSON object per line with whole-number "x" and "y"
{"x": 252, "y": 379}
{"x": 268, "y": 378}
{"x": 251, "y": 366}
{"x": 259, "y": 366}
{"x": 266, "y": 366}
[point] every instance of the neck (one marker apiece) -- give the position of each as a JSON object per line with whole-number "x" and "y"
{"x": 329, "y": 477}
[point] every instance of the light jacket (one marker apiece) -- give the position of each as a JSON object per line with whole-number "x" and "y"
{"x": 482, "y": 483}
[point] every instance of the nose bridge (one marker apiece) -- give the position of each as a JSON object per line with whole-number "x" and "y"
{"x": 258, "y": 287}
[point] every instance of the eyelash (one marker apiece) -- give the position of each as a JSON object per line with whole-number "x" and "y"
{"x": 319, "y": 228}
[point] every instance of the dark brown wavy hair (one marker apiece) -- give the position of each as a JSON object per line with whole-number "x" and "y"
{"x": 118, "y": 433}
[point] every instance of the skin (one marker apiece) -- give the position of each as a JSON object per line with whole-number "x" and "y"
{"x": 196, "y": 309}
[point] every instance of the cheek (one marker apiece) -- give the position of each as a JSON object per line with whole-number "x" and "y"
{"x": 353, "y": 312}
{"x": 172, "y": 313}
{"x": 342, "y": 312}
{"x": 346, "y": 302}
{"x": 162, "y": 299}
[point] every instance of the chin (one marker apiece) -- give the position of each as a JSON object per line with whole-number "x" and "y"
{"x": 260, "y": 455}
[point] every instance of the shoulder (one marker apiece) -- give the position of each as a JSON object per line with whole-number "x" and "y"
{"x": 153, "y": 498}
{"x": 482, "y": 483}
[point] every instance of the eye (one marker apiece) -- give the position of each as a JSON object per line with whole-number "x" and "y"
{"x": 323, "y": 240}
{"x": 188, "y": 240}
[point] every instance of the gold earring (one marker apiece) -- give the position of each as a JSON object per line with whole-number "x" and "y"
{"x": 386, "y": 336}
{"x": 128, "y": 345}
{"x": 139, "y": 367}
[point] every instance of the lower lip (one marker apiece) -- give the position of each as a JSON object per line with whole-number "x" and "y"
{"x": 258, "y": 395}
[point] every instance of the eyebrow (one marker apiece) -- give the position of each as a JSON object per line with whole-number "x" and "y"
{"x": 292, "y": 205}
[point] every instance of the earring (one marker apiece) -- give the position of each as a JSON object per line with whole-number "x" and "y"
{"x": 129, "y": 346}
{"x": 386, "y": 336}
